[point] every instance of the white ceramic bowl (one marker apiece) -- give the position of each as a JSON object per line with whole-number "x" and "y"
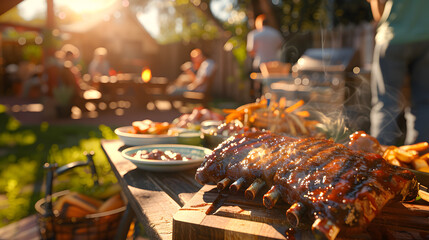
{"x": 134, "y": 139}
{"x": 194, "y": 152}
{"x": 190, "y": 138}
{"x": 211, "y": 141}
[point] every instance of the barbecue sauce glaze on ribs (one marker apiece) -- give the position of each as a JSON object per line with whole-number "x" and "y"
{"x": 336, "y": 188}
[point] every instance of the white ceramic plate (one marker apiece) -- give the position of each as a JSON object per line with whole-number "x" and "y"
{"x": 133, "y": 139}
{"x": 196, "y": 154}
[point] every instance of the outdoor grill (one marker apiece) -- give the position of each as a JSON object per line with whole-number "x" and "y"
{"x": 327, "y": 80}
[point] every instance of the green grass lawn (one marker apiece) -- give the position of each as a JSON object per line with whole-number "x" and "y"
{"x": 25, "y": 149}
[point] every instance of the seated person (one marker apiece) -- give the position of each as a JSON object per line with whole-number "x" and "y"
{"x": 69, "y": 85}
{"x": 196, "y": 74}
{"x": 70, "y": 73}
{"x": 99, "y": 65}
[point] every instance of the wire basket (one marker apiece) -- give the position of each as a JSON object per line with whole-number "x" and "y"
{"x": 93, "y": 226}
{"x": 96, "y": 226}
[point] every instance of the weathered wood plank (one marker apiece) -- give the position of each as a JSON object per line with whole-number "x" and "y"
{"x": 175, "y": 185}
{"x": 233, "y": 220}
{"x": 154, "y": 197}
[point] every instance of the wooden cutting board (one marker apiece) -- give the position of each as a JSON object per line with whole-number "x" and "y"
{"x": 238, "y": 218}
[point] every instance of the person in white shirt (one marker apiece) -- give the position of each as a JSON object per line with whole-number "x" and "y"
{"x": 263, "y": 45}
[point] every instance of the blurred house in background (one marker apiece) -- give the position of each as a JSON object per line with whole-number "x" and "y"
{"x": 116, "y": 28}
{"x": 129, "y": 45}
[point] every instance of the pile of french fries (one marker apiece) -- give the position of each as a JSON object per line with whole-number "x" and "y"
{"x": 274, "y": 116}
{"x": 409, "y": 156}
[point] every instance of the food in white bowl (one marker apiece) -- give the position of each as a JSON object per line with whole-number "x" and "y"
{"x": 191, "y": 157}
{"x": 133, "y": 139}
{"x": 148, "y": 126}
{"x": 157, "y": 154}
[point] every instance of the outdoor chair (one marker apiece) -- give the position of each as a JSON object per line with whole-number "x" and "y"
{"x": 203, "y": 98}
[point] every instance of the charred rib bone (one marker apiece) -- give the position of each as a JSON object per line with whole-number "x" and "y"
{"x": 222, "y": 184}
{"x": 254, "y": 188}
{"x": 271, "y": 197}
{"x": 325, "y": 228}
{"x": 295, "y": 213}
{"x": 237, "y": 185}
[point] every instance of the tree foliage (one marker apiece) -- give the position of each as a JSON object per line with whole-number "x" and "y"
{"x": 231, "y": 20}
{"x": 178, "y": 20}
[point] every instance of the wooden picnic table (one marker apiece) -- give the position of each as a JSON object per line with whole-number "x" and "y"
{"x": 152, "y": 197}
{"x": 130, "y": 88}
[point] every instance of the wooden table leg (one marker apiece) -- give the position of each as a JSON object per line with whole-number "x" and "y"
{"x": 125, "y": 223}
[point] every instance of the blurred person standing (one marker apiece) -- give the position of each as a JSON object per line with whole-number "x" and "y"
{"x": 196, "y": 74}
{"x": 99, "y": 65}
{"x": 401, "y": 51}
{"x": 263, "y": 45}
{"x": 70, "y": 74}
{"x": 69, "y": 80}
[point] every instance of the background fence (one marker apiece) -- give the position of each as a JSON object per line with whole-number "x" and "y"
{"x": 231, "y": 83}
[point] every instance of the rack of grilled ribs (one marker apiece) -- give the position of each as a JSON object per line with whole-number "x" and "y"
{"x": 327, "y": 184}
